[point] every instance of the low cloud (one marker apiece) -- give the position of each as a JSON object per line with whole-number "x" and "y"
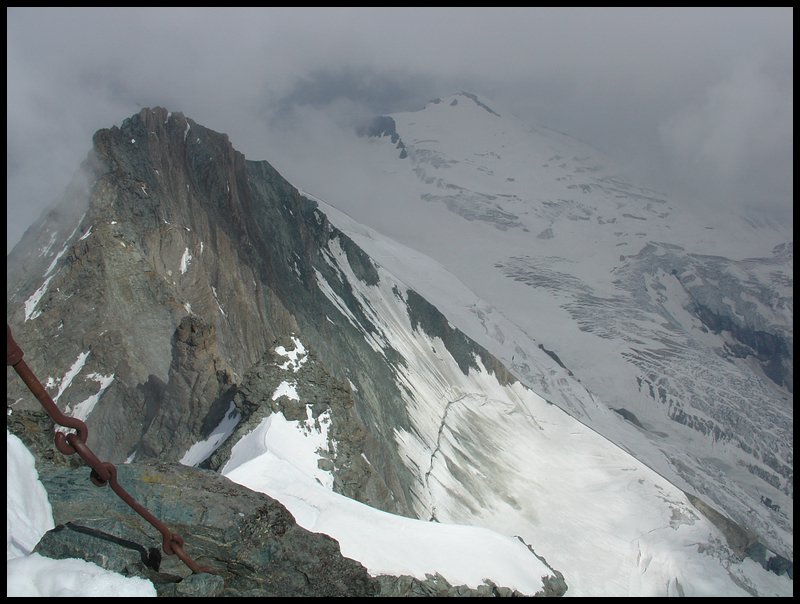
{"x": 737, "y": 137}
{"x": 697, "y": 102}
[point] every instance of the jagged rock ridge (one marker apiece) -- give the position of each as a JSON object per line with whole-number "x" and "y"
{"x": 195, "y": 263}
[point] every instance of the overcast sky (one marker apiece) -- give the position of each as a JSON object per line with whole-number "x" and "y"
{"x": 697, "y": 102}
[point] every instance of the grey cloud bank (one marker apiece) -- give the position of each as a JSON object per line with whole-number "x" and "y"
{"x": 697, "y": 102}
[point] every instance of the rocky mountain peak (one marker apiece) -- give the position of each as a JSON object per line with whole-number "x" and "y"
{"x": 184, "y": 269}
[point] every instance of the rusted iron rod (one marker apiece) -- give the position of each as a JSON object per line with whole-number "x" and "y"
{"x": 75, "y": 442}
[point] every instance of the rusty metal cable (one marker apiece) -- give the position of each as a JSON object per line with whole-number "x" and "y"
{"x": 102, "y": 472}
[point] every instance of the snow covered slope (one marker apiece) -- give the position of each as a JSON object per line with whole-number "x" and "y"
{"x": 667, "y": 331}
{"x": 489, "y": 452}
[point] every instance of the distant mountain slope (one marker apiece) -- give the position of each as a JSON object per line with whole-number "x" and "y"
{"x": 679, "y": 325}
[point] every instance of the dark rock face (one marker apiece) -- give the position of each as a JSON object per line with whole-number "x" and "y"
{"x": 628, "y": 415}
{"x": 742, "y": 308}
{"x": 175, "y": 411}
{"x": 744, "y": 543}
{"x": 428, "y": 318}
{"x": 479, "y": 103}
{"x": 384, "y": 125}
{"x": 249, "y": 539}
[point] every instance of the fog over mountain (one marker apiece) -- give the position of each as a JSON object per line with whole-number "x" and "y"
{"x": 525, "y": 271}
{"x": 696, "y": 102}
